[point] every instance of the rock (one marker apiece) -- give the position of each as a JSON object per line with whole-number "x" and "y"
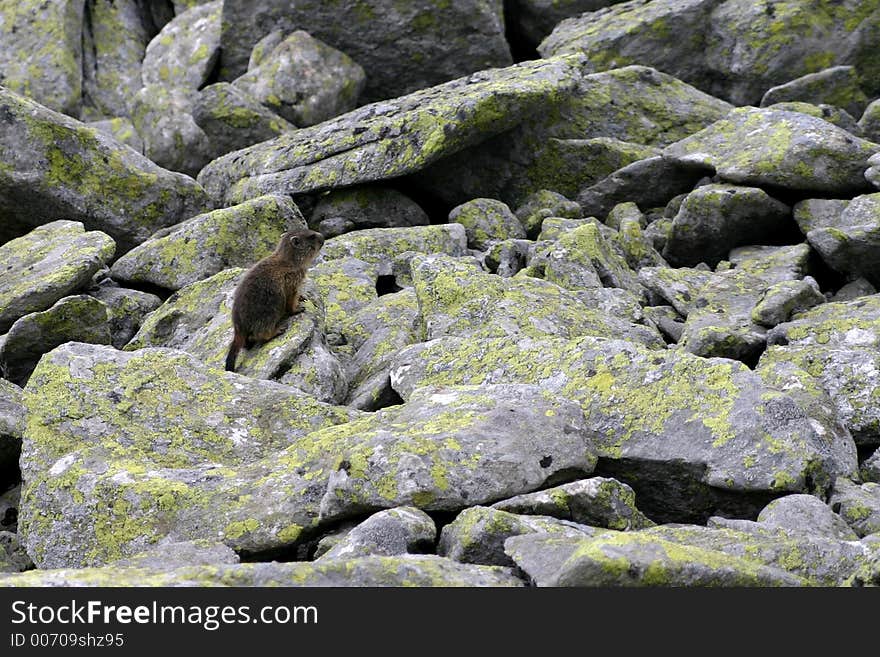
{"x": 175, "y": 554}
{"x": 457, "y": 299}
{"x": 114, "y": 38}
{"x": 477, "y": 535}
{"x": 737, "y": 442}
{"x": 346, "y": 285}
{"x": 408, "y": 570}
{"x": 785, "y": 299}
{"x": 13, "y": 558}
{"x": 197, "y": 319}
{"x": 263, "y": 47}
{"x": 679, "y": 287}
{"x": 841, "y": 325}
{"x": 41, "y": 46}
{"x": 78, "y": 318}
{"x": 122, "y": 130}
{"x": 126, "y": 310}
{"x": 418, "y": 129}
{"x": 532, "y": 20}
{"x": 870, "y": 121}
{"x": 872, "y": 175}
{"x": 714, "y": 219}
{"x": 542, "y": 204}
{"x": 870, "y": 469}
{"x": 858, "y": 505}
{"x": 657, "y": 233}
{"x": 10, "y": 499}
{"x": 402, "y": 47}
{"x": 304, "y": 80}
{"x": 208, "y": 243}
{"x": 46, "y": 265}
{"x": 196, "y": 444}
{"x": 636, "y": 559}
{"x": 668, "y": 179}
{"x": 172, "y": 139}
{"x": 667, "y": 321}
{"x": 853, "y": 290}
{"x": 355, "y": 208}
{"x": 637, "y": 247}
{"x": 486, "y": 220}
{"x": 830, "y": 113}
{"x": 59, "y": 167}
{"x": 597, "y": 502}
{"x": 851, "y": 246}
{"x": 184, "y": 53}
{"x": 553, "y": 228}
{"x": 818, "y": 213}
{"x": 403, "y": 530}
{"x": 232, "y": 120}
{"x": 380, "y": 246}
{"x": 773, "y": 264}
{"x": 806, "y": 513}
{"x": 838, "y": 86}
{"x": 12, "y": 423}
{"x": 789, "y": 150}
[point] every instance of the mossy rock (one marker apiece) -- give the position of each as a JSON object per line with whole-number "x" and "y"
{"x": 486, "y": 220}
{"x": 851, "y": 246}
{"x": 858, "y": 505}
{"x": 122, "y": 130}
{"x": 126, "y": 309}
{"x": 839, "y": 85}
{"x": 402, "y": 530}
{"x": 368, "y": 206}
{"x": 840, "y": 325}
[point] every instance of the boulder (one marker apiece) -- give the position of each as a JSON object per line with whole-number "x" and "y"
{"x": 851, "y": 244}
{"x": 356, "y": 208}
{"x": 486, "y": 220}
{"x": 403, "y": 530}
{"x": 858, "y": 505}
{"x": 838, "y": 86}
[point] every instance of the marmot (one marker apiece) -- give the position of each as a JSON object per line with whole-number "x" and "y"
{"x": 270, "y": 290}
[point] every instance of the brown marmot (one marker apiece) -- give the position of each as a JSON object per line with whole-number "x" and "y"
{"x": 270, "y": 290}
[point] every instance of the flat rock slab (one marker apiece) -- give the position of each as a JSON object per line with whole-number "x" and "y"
{"x": 47, "y": 264}
{"x": 788, "y": 150}
{"x": 411, "y": 570}
{"x": 736, "y": 436}
{"x": 59, "y": 167}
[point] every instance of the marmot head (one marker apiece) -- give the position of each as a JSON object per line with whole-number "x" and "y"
{"x": 300, "y": 246}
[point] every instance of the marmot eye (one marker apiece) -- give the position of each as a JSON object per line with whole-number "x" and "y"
{"x": 295, "y": 240}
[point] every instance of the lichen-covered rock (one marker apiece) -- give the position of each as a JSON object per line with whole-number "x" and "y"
{"x": 172, "y": 139}
{"x": 636, "y": 559}
{"x": 839, "y": 325}
{"x": 764, "y": 147}
{"x": 870, "y": 468}
{"x": 486, "y": 220}
{"x": 869, "y": 123}
{"x": 806, "y": 513}
{"x": 346, "y": 286}
{"x": 390, "y": 139}
{"x": 197, "y": 319}
{"x": 402, "y": 530}
{"x": 46, "y": 265}
{"x": 668, "y": 179}
{"x": 13, "y": 558}
{"x": 818, "y": 213}
{"x": 667, "y": 321}
{"x": 80, "y": 318}
{"x": 786, "y": 298}
{"x": 355, "y": 208}
{"x": 853, "y": 290}
{"x": 401, "y": 46}
{"x": 380, "y": 246}
{"x": 232, "y": 120}
{"x": 598, "y": 502}
{"x": 55, "y": 166}
{"x": 12, "y": 423}
{"x": 477, "y": 535}
{"x": 713, "y": 219}
{"x": 542, "y": 204}
{"x": 735, "y": 442}
{"x": 834, "y": 115}
{"x": 456, "y": 298}
{"x": 122, "y": 449}
{"x": 122, "y": 130}
{"x": 838, "y": 86}
{"x": 207, "y": 244}
{"x": 174, "y": 554}
{"x": 126, "y": 309}
{"x": 115, "y": 36}
{"x": 41, "y": 51}
{"x": 304, "y": 80}
{"x": 857, "y": 505}
{"x": 532, "y": 20}
{"x": 374, "y": 571}
{"x": 636, "y": 245}
{"x": 773, "y": 264}
{"x": 9, "y": 501}
{"x": 679, "y": 287}
{"x": 183, "y": 54}
{"x": 851, "y": 245}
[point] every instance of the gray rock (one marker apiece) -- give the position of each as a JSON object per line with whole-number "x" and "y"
{"x": 355, "y": 208}
{"x": 304, "y": 80}
{"x": 542, "y": 204}
{"x": 840, "y": 325}
{"x": 206, "y": 244}
{"x": 739, "y": 436}
{"x": 679, "y": 287}
{"x": 263, "y": 47}
{"x": 126, "y": 310}
{"x": 477, "y": 535}
{"x": 838, "y": 86}
{"x": 232, "y": 120}
{"x": 857, "y": 505}
{"x": 553, "y": 228}
{"x": 636, "y": 559}
{"x": 167, "y": 555}
{"x": 13, "y": 558}
{"x": 870, "y": 121}
{"x": 486, "y": 220}
{"x": 853, "y": 290}
{"x": 667, "y": 321}
{"x": 532, "y": 20}
{"x": 172, "y": 139}
{"x": 831, "y": 113}
{"x": 408, "y": 570}
{"x": 9, "y": 502}
{"x": 12, "y": 425}
{"x": 764, "y": 147}
{"x": 80, "y": 318}
{"x": 598, "y": 502}
{"x": 784, "y": 299}
{"x": 184, "y": 53}
{"x": 41, "y": 46}
{"x": 872, "y": 175}
{"x": 773, "y": 264}
{"x": 402, "y": 530}
{"x": 806, "y": 513}
{"x": 714, "y": 219}
{"x": 114, "y": 38}
{"x": 870, "y": 469}
{"x": 818, "y": 213}
{"x": 346, "y": 285}
{"x": 657, "y": 233}
{"x": 58, "y": 167}
{"x": 46, "y": 265}
{"x": 402, "y": 46}
{"x": 851, "y": 246}
{"x": 122, "y": 130}
{"x": 508, "y": 257}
